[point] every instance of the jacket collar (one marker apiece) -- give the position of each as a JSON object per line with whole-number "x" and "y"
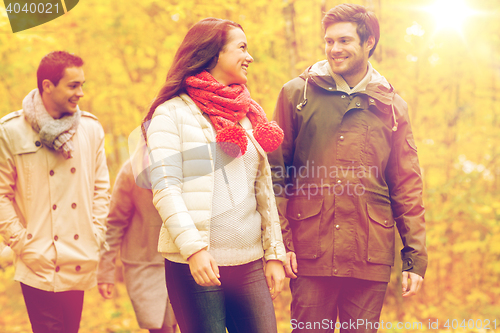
{"x": 377, "y": 86}
{"x": 207, "y": 126}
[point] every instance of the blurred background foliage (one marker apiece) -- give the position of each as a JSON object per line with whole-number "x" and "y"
{"x": 450, "y": 79}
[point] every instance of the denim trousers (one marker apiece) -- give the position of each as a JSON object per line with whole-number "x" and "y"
{"x": 317, "y": 300}
{"x": 242, "y": 302}
{"x": 53, "y": 312}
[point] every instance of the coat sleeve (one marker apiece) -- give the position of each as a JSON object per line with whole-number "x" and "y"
{"x": 11, "y": 228}
{"x": 280, "y": 159}
{"x": 165, "y": 145}
{"x": 121, "y": 211}
{"x": 272, "y": 239}
{"x": 100, "y": 204}
{"x": 406, "y": 188}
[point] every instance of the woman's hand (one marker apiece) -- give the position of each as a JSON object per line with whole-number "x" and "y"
{"x": 204, "y": 269}
{"x": 275, "y": 277}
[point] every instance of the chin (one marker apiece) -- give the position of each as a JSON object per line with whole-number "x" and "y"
{"x": 243, "y": 78}
{"x": 340, "y": 70}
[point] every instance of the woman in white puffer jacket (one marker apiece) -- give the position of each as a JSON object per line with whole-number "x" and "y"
{"x": 212, "y": 186}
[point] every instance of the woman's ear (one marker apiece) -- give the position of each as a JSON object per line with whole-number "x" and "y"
{"x": 211, "y": 65}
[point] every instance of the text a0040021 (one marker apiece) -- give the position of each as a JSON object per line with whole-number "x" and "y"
{"x": 484, "y": 324}
{"x": 33, "y": 8}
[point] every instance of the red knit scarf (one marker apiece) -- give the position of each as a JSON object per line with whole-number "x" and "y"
{"x": 226, "y": 105}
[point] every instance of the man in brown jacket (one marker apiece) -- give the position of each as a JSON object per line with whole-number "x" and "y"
{"x": 54, "y": 194}
{"x": 346, "y": 174}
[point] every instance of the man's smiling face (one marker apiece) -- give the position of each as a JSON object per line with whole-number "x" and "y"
{"x": 63, "y": 99}
{"x": 345, "y": 53}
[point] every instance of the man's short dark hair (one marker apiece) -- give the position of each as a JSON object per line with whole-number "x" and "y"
{"x": 366, "y": 21}
{"x": 52, "y": 67}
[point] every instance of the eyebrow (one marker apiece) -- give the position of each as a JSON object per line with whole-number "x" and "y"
{"x": 341, "y": 37}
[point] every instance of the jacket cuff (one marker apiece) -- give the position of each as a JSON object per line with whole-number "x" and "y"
{"x": 415, "y": 265}
{"x": 281, "y": 258}
{"x": 106, "y": 279}
{"x": 276, "y": 252}
{"x": 194, "y": 248}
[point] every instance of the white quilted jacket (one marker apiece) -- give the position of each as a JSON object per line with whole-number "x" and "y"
{"x": 180, "y": 138}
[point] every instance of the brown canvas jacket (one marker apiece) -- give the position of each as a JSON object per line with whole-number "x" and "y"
{"x": 346, "y": 174}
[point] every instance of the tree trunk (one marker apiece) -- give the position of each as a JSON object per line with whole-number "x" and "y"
{"x": 291, "y": 38}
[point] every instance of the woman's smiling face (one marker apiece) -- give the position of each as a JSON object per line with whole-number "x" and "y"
{"x": 234, "y": 59}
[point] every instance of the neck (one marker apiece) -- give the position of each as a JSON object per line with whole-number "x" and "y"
{"x": 49, "y": 107}
{"x": 218, "y": 76}
{"x": 353, "y": 80}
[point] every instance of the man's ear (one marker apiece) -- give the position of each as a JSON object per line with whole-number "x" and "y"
{"x": 370, "y": 42}
{"x": 47, "y": 86}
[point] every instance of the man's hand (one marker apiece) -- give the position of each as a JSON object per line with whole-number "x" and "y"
{"x": 291, "y": 265}
{"x": 106, "y": 290}
{"x": 204, "y": 269}
{"x": 275, "y": 277}
{"x": 410, "y": 289}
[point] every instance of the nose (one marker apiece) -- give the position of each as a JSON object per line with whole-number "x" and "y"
{"x": 79, "y": 92}
{"x": 336, "y": 47}
{"x": 249, "y": 58}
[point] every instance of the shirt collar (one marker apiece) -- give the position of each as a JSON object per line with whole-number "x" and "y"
{"x": 342, "y": 84}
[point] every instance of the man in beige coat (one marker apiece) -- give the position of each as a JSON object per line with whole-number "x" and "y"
{"x": 54, "y": 194}
{"x": 133, "y": 228}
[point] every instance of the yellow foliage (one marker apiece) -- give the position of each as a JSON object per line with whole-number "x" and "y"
{"x": 450, "y": 81}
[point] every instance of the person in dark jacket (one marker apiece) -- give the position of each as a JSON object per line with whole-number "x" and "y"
{"x": 345, "y": 175}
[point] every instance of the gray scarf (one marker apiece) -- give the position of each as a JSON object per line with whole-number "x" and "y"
{"x": 54, "y": 133}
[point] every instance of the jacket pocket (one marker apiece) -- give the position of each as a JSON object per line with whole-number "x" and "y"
{"x": 412, "y": 152}
{"x": 381, "y": 235}
{"x": 352, "y": 143}
{"x": 39, "y": 258}
{"x": 304, "y": 216}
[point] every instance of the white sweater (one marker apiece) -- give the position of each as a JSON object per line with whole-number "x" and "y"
{"x": 235, "y": 236}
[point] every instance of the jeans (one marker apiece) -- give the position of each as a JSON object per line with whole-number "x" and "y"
{"x": 52, "y": 312}
{"x": 316, "y": 301}
{"x": 242, "y": 302}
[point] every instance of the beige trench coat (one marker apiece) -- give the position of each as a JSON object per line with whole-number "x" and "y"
{"x": 52, "y": 209}
{"x": 133, "y": 229}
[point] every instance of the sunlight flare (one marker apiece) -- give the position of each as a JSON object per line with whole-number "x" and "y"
{"x": 450, "y": 14}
